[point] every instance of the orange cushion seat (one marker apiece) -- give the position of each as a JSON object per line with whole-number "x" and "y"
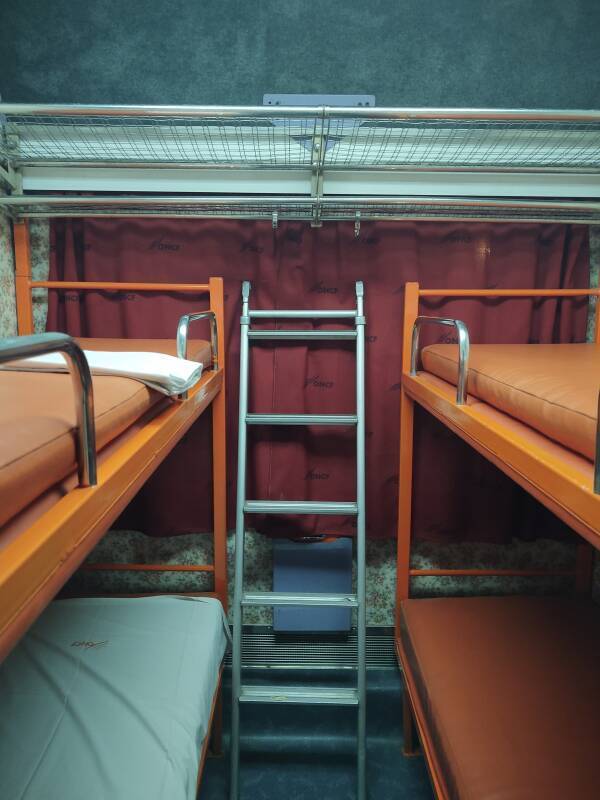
{"x": 509, "y": 689}
{"x": 38, "y": 421}
{"x": 553, "y": 388}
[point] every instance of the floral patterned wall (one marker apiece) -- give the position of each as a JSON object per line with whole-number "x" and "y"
{"x": 381, "y": 555}
{"x": 8, "y": 317}
{"x": 40, "y": 251}
{"x": 135, "y": 547}
{"x": 39, "y": 237}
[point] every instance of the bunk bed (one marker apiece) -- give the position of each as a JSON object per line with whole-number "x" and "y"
{"x": 531, "y": 662}
{"x": 76, "y": 448}
{"x": 49, "y": 522}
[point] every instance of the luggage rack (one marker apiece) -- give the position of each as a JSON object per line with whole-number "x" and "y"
{"x": 300, "y": 163}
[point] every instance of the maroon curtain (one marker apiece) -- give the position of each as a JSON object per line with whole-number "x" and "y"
{"x": 457, "y": 493}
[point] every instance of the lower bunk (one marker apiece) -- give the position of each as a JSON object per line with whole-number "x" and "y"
{"x": 111, "y": 698}
{"x": 505, "y": 692}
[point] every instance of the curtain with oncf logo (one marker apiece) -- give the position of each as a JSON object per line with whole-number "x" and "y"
{"x": 457, "y": 494}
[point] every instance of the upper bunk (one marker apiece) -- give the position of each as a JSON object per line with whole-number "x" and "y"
{"x": 77, "y": 449}
{"x": 530, "y": 409}
{"x": 316, "y": 163}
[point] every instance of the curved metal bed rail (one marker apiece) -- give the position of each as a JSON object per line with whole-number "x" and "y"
{"x": 41, "y": 344}
{"x": 463, "y": 351}
{"x": 182, "y": 334}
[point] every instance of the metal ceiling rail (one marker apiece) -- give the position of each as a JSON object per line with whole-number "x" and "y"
{"x": 270, "y": 112}
{"x": 279, "y": 208}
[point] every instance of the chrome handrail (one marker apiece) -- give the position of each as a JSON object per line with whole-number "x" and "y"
{"x": 182, "y": 335}
{"x": 41, "y": 344}
{"x": 463, "y": 351}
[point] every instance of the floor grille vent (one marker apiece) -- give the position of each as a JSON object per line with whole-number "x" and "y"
{"x": 262, "y": 648}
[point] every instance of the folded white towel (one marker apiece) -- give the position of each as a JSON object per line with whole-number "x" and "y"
{"x": 166, "y": 374}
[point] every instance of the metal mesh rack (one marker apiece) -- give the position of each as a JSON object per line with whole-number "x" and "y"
{"x": 300, "y": 163}
{"x": 350, "y": 138}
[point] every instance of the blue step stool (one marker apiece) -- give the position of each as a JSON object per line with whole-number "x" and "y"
{"x": 322, "y": 566}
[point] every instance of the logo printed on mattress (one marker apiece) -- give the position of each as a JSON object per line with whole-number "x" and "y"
{"x": 89, "y": 645}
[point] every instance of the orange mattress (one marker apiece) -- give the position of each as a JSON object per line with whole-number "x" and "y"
{"x": 509, "y": 694}
{"x": 553, "y": 388}
{"x": 38, "y": 422}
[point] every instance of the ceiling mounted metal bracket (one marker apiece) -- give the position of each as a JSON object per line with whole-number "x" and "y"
{"x": 275, "y": 220}
{"x": 317, "y": 162}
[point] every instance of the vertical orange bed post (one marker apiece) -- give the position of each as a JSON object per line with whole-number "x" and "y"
{"x": 219, "y": 489}
{"x": 411, "y": 310}
{"x": 23, "y": 278}
{"x": 219, "y": 451}
{"x": 584, "y": 565}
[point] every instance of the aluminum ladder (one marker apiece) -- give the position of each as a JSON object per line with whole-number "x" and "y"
{"x": 300, "y": 695}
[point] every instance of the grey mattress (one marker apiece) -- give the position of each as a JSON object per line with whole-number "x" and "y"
{"x": 110, "y": 699}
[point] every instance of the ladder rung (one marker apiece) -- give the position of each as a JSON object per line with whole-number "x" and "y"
{"x": 276, "y": 313}
{"x": 302, "y": 335}
{"x": 301, "y": 419}
{"x": 298, "y": 507}
{"x": 299, "y": 695}
{"x": 299, "y": 599}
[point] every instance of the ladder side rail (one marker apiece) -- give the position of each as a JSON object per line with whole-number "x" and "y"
{"x": 239, "y": 546}
{"x": 361, "y": 544}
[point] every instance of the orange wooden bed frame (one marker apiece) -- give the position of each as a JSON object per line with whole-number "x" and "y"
{"x": 552, "y": 482}
{"x": 36, "y": 564}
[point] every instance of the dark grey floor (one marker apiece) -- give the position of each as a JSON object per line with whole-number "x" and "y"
{"x": 308, "y": 753}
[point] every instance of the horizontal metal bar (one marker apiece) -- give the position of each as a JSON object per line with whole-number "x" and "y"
{"x": 166, "y": 111}
{"x": 298, "y": 507}
{"x": 300, "y": 217}
{"x": 148, "y": 200}
{"x": 364, "y": 202}
{"x": 299, "y": 695}
{"x": 126, "y": 567}
{"x": 115, "y": 286}
{"x": 328, "y": 168}
{"x": 308, "y": 335}
{"x": 269, "y": 112}
{"x": 21, "y": 347}
{"x": 482, "y": 573}
{"x": 301, "y": 313}
{"x": 301, "y": 419}
{"x": 509, "y": 292}
{"x": 299, "y": 599}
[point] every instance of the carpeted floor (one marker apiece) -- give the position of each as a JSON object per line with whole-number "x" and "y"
{"x": 308, "y": 753}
